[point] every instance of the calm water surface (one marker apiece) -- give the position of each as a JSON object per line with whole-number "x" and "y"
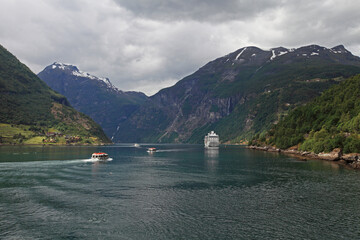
{"x": 179, "y": 192}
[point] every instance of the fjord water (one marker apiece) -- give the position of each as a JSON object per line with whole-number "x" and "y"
{"x": 178, "y": 192}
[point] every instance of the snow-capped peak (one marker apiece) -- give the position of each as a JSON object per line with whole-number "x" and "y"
{"x": 62, "y": 66}
{"x": 71, "y": 69}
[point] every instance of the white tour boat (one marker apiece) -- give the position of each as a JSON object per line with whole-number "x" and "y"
{"x": 150, "y": 150}
{"x": 100, "y": 156}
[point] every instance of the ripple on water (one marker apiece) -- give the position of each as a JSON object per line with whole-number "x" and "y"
{"x": 178, "y": 195}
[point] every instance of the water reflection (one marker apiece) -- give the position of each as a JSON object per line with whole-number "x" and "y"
{"x": 212, "y": 153}
{"x": 95, "y": 168}
{"x": 40, "y": 153}
{"x": 212, "y": 158}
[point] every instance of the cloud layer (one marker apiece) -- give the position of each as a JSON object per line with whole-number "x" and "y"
{"x": 147, "y": 45}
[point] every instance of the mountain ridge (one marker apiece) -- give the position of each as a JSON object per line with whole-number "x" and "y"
{"x": 239, "y": 94}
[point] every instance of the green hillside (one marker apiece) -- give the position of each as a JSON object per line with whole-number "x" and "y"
{"x": 30, "y": 110}
{"x": 329, "y": 121}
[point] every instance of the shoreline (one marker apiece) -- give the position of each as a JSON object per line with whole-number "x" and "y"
{"x": 351, "y": 160}
{"x": 54, "y": 145}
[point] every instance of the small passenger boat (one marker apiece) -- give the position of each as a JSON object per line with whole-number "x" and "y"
{"x": 100, "y": 156}
{"x": 150, "y": 150}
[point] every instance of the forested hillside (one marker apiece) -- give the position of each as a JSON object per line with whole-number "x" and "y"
{"x": 330, "y": 121}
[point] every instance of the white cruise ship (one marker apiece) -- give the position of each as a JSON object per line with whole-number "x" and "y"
{"x": 211, "y": 140}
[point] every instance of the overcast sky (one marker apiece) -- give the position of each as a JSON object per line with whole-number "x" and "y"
{"x": 150, "y": 44}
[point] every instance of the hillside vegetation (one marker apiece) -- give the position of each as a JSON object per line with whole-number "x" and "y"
{"x": 29, "y": 109}
{"x": 328, "y": 122}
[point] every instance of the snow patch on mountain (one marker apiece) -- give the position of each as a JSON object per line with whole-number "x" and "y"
{"x": 278, "y": 54}
{"x": 337, "y": 52}
{"x": 237, "y": 57}
{"x": 282, "y": 53}
{"x": 273, "y": 55}
{"x": 83, "y": 74}
{"x": 76, "y": 72}
{"x": 61, "y": 66}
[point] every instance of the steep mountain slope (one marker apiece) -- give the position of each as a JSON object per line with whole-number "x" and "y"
{"x": 29, "y": 106}
{"x": 94, "y": 96}
{"x": 238, "y": 95}
{"x": 328, "y": 122}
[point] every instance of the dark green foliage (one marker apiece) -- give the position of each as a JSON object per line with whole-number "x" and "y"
{"x": 187, "y": 107}
{"x": 170, "y": 137}
{"x": 214, "y": 108}
{"x": 330, "y": 121}
{"x": 24, "y": 98}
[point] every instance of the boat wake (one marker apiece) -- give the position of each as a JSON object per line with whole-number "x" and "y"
{"x": 174, "y": 150}
{"x": 97, "y": 160}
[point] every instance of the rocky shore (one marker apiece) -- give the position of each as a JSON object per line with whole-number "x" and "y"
{"x": 352, "y": 159}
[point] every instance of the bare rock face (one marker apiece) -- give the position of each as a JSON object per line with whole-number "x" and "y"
{"x": 355, "y": 165}
{"x": 331, "y": 156}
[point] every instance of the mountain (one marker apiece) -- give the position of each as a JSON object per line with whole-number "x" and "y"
{"x": 94, "y": 96}
{"x": 328, "y": 122}
{"x": 30, "y": 111}
{"x": 238, "y": 95}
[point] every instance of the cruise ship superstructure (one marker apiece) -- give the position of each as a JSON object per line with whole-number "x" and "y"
{"x": 211, "y": 140}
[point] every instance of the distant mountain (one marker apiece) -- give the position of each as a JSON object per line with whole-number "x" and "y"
{"x": 328, "y": 122}
{"x": 238, "y": 95}
{"x": 31, "y": 112}
{"x": 94, "y": 96}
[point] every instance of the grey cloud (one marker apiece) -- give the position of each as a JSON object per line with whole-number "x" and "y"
{"x": 199, "y": 10}
{"x": 325, "y": 22}
{"x": 148, "y": 45}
